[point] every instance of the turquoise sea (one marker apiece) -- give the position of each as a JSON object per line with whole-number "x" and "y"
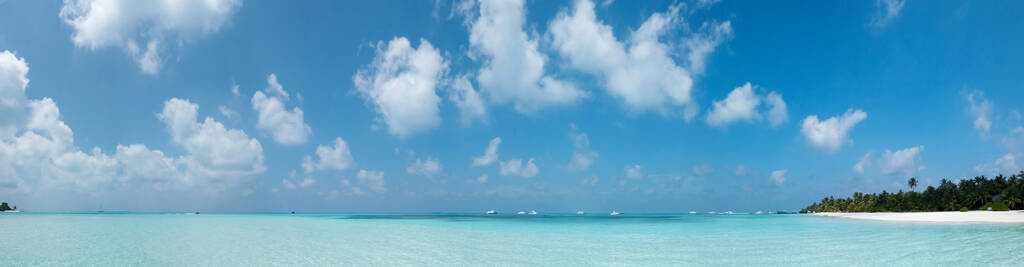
{"x": 473, "y": 239}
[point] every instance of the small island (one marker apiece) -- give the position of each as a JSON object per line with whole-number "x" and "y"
{"x": 4, "y": 207}
{"x": 949, "y": 202}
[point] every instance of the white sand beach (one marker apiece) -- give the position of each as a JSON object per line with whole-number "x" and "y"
{"x": 1015, "y": 216}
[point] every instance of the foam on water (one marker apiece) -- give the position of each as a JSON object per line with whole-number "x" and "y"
{"x": 475, "y": 239}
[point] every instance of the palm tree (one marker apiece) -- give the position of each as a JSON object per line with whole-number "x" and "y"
{"x": 912, "y": 183}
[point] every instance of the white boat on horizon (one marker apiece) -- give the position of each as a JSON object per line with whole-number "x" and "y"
{"x": 614, "y": 213}
{"x": 579, "y": 212}
{"x": 693, "y": 212}
{"x": 492, "y": 212}
{"x": 521, "y": 212}
{"x": 533, "y": 212}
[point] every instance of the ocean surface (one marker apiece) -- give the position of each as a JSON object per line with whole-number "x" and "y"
{"x": 474, "y": 239}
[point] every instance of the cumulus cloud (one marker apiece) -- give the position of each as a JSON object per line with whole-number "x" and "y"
{"x": 427, "y": 168}
{"x": 887, "y": 11}
{"x": 335, "y": 156}
{"x": 863, "y": 164}
{"x": 286, "y": 127}
{"x": 779, "y": 176}
{"x": 374, "y": 180}
{"x": 467, "y": 100}
{"x": 1007, "y": 164}
{"x": 401, "y": 83}
{"x": 513, "y": 68}
{"x": 830, "y": 134}
{"x": 40, "y": 152}
{"x": 904, "y": 162}
{"x": 742, "y": 105}
{"x": 641, "y": 70}
{"x": 515, "y": 167}
{"x": 582, "y": 157}
{"x": 145, "y": 29}
{"x": 634, "y": 171}
{"x": 214, "y": 150}
{"x": 777, "y": 113}
{"x": 980, "y": 108}
{"x": 490, "y": 155}
{"x": 13, "y": 81}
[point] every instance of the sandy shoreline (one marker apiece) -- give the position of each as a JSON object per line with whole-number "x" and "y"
{"x": 1015, "y": 216}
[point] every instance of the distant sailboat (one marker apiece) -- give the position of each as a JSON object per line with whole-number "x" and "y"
{"x": 614, "y": 213}
{"x": 492, "y": 212}
{"x": 693, "y": 212}
{"x": 579, "y": 212}
{"x": 533, "y": 212}
{"x": 521, "y": 212}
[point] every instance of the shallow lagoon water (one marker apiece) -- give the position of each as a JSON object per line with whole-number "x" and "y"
{"x": 473, "y": 239}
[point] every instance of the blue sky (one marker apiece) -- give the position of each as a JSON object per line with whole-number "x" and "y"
{"x": 650, "y": 106}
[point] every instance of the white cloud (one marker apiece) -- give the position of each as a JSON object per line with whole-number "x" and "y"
{"x": 482, "y": 179}
{"x": 887, "y": 12}
{"x": 779, "y": 176}
{"x": 427, "y": 168}
{"x": 307, "y": 182}
{"x": 634, "y": 171}
{"x": 1007, "y": 165}
{"x": 707, "y": 3}
{"x": 582, "y": 157}
{"x": 590, "y": 181}
{"x": 515, "y": 167}
{"x": 141, "y": 28}
{"x": 1015, "y": 140}
{"x": 372, "y": 179}
{"x": 228, "y": 113}
{"x": 641, "y": 71}
{"x": 490, "y": 155}
{"x": 777, "y": 114}
{"x": 471, "y": 106}
{"x": 742, "y": 105}
{"x": 40, "y": 154}
{"x": 980, "y": 109}
{"x": 141, "y": 162}
{"x": 829, "y": 135}
{"x": 703, "y": 169}
{"x": 234, "y": 90}
{"x": 286, "y": 127}
{"x": 336, "y": 156}
{"x": 903, "y": 162}
{"x": 401, "y": 84}
{"x": 863, "y": 164}
{"x": 13, "y": 81}
{"x": 513, "y": 68}
{"x": 213, "y": 150}
{"x": 288, "y": 184}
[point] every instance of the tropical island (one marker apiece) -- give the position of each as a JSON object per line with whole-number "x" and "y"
{"x": 935, "y": 204}
{"x": 4, "y": 207}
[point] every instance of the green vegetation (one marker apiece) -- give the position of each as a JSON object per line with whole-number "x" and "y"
{"x": 4, "y": 207}
{"x": 1000, "y": 193}
{"x": 996, "y": 206}
{"x": 963, "y": 209}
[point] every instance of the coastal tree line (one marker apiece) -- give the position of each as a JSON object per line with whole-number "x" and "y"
{"x": 981, "y": 193}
